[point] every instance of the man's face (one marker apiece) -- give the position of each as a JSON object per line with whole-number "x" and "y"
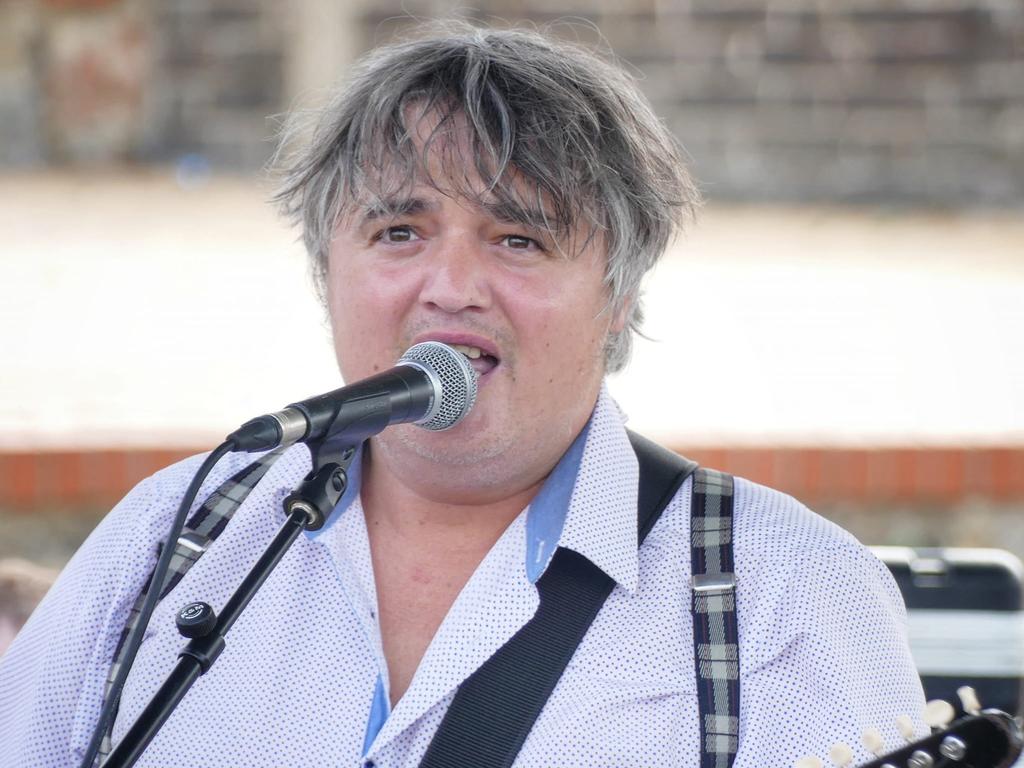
{"x": 533, "y": 321}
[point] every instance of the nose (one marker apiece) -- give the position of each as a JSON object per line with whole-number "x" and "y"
{"x": 457, "y": 278}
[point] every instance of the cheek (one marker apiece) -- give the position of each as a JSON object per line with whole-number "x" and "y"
{"x": 566, "y": 333}
{"x": 361, "y": 296}
{"x": 363, "y": 323}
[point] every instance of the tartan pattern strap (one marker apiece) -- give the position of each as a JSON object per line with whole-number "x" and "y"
{"x": 205, "y": 525}
{"x": 715, "y": 631}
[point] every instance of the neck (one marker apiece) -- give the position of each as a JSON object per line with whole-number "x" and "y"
{"x": 408, "y": 509}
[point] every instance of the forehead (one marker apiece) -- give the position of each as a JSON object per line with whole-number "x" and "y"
{"x": 432, "y": 151}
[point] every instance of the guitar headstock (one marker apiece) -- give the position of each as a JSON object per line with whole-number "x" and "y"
{"x": 981, "y": 739}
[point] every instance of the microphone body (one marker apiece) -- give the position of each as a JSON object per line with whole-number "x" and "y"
{"x": 432, "y": 386}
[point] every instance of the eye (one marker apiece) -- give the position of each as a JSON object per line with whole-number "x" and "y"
{"x": 521, "y": 243}
{"x": 397, "y": 234}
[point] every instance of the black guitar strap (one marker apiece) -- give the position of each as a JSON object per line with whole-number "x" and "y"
{"x": 495, "y": 708}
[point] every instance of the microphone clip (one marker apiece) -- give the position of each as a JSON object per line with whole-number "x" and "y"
{"x": 318, "y": 493}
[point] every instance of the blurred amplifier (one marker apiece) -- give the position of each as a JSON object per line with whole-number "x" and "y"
{"x": 965, "y": 620}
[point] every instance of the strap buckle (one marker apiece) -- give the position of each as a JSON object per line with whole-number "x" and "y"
{"x": 193, "y": 541}
{"x": 714, "y": 583}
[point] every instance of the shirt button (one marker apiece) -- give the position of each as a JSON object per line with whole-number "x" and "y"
{"x": 369, "y": 764}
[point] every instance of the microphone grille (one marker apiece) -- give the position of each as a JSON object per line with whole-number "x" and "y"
{"x": 456, "y": 377}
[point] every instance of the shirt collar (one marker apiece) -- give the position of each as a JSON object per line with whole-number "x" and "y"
{"x": 601, "y": 519}
{"x": 587, "y": 504}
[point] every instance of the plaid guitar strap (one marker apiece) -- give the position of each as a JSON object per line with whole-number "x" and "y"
{"x": 200, "y": 530}
{"x": 715, "y": 631}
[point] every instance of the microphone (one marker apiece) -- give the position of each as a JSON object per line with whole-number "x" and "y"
{"x": 432, "y": 385}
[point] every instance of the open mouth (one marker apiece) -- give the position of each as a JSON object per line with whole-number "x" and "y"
{"x": 482, "y": 362}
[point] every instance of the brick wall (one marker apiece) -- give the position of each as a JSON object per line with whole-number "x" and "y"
{"x": 219, "y": 69}
{"x": 844, "y": 100}
{"x": 848, "y": 100}
{"x": 92, "y": 82}
{"x": 73, "y": 76}
{"x": 905, "y": 496}
{"x": 32, "y": 480}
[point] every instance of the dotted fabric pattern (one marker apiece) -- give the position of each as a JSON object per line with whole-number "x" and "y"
{"x": 822, "y": 642}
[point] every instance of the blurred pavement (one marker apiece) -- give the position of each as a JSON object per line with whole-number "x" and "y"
{"x": 137, "y": 309}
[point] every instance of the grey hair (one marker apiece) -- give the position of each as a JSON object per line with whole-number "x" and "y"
{"x": 574, "y": 126}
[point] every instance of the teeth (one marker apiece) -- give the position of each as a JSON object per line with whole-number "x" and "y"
{"x": 471, "y": 352}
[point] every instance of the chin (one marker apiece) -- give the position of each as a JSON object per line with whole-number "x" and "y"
{"x": 463, "y": 445}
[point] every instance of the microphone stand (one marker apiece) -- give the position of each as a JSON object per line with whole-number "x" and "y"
{"x": 306, "y": 508}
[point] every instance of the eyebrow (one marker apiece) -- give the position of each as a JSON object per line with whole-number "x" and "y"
{"x": 505, "y": 211}
{"x": 509, "y": 212}
{"x": 394, "y": 208}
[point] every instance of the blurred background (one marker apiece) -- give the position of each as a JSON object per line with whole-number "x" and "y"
{"x": 858, "y": 267}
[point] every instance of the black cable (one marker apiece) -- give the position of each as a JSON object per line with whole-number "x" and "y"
{"x": 134, "y": 639}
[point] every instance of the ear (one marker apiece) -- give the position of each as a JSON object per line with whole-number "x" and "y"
{"x": 621, "y": 316}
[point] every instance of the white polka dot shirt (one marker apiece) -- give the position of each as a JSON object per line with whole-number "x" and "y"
{"x": 303, "y": 680}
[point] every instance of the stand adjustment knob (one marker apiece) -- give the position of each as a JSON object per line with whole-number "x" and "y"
{"x": 196, "y": 620}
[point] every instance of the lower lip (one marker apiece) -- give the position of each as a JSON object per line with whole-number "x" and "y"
{"x": 486, "y": 374}
{"x": 484, "y": 378}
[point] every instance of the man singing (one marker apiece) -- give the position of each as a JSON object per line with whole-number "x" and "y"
{"x": 503, "y": 193}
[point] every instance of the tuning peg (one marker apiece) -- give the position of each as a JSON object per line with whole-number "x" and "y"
{"x": 809, "y": 762}
{"x": 969, "y": 700}
{"x": 938, "y": 713}
{"x": 906, "y": 727}
{"x": 841, "y": 755}
{"x": 873, "y": 741}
